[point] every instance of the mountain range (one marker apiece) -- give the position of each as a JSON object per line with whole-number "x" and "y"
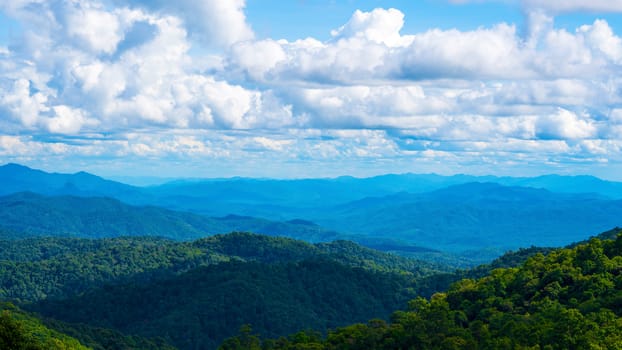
{"x": 472, "y": 216}
{"x": 87, "y": 262}
{"x": 27, "y": 214}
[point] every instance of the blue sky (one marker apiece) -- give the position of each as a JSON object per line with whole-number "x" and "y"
{"x": 312, "y": 88}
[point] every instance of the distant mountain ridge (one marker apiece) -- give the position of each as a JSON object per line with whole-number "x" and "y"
{"x": 18, "y": 178}
{"x": 483, "y": 214}
{"x": 472, "y": 215}
{"x": 28, "y": 214}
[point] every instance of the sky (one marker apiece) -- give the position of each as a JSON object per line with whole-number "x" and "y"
{"x": 312, "y": 88}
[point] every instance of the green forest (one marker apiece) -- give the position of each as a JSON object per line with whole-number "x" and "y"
{"x": 249, "y": 291}
{"x": 195, "y": 294}
{"x": 568, "y": 299}
{"x": 19, "y": 330}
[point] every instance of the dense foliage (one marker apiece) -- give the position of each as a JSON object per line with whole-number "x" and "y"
{"x": 198, "y": 309}
{"x": 202, "y": 291}
{"x": 428, "y": 285}
{"x": 57, "y": 267}
{"x": 98, "y": 338}
{"x": 568, "y": 299}
{"x": 67, "y": 216}
{"x": 36, "y": 269}
{"x": 278, "y": 249}
{"x": 18, "y": 331}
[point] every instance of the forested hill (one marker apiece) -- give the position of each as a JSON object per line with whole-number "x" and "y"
{"x": 32, "y": 214}
{"x": 27, "y": 214}
{"x": 568, "y": 299}
{"x": 126, "y": 291}
{"x": 197, "y": 293}
{"x": 19, "y": 331}
{"x": 199, "y": 308}
{"x": 35, "y": 269}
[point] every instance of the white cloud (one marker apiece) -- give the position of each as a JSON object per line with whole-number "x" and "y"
{"x": 150, "y": 81}
{"x": 371, "y": 93}
{"x": 558, "y": 6}
{"x": 211, "y": 22}
{"x": 356, "y": 55}
{"x": 24, "y": 105}
{"x": 257, "y": 58}
{"x": 99, "y": 29}
{"x": 480, "y": 53}
{"x": 67, "y": 120}
{"x": 565, "y": 125}
{"x": 379, "y": 25}
{"x": 601, "y": 38}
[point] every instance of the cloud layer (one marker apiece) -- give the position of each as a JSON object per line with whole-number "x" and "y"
{"x": 189, "y": 81}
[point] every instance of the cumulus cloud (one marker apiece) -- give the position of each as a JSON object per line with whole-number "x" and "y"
{"x": 559, "y": 6}
{"x": 101, "y": 69}
{"x": 356, "y": 54}
{"x": 125, "y": 69}
{"x": 97, "y": 28}
{"x": 565, "y": 125}
{"x": 379, "y": 25}
{"x": 211, "y": 22}
{"x": 67, "y": 120}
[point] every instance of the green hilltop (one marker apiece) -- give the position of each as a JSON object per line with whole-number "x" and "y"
{"x": 568, "y": 299}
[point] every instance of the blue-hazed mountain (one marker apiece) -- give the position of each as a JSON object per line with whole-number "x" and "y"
{"x": 18, "y": 178}
{"x": 272, "y": 198}
{"x": 457, "y": 213}
{"x": 566, "y": 184}
{"x": 280, "y": 199}
{"x": 476, "y": 216}
{"x": 27, "y": 214}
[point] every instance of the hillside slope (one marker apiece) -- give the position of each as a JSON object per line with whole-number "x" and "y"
{"x": 27, "y": 214}
{"x": 568, "y": 299}
{"x": 198, "y": 309}
{"x": 20, "y": 331}
{"x": 36, "y": 269}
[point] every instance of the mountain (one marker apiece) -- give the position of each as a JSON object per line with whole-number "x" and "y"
{"x": 283, "y": 199}
{"x": 476, "y": 216}
{"x": 568, "y": 299}
{"x": 198, "y": 309}
{"x": 274, "y": 198}
{"x": 18, "y": 178}
{"x": 568, "y": 184}
{"x": 40, "y": 268}
{"x": 34, "y": 214}
{"x": 29, "y": 214}
{"x": 194, "y": 294}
